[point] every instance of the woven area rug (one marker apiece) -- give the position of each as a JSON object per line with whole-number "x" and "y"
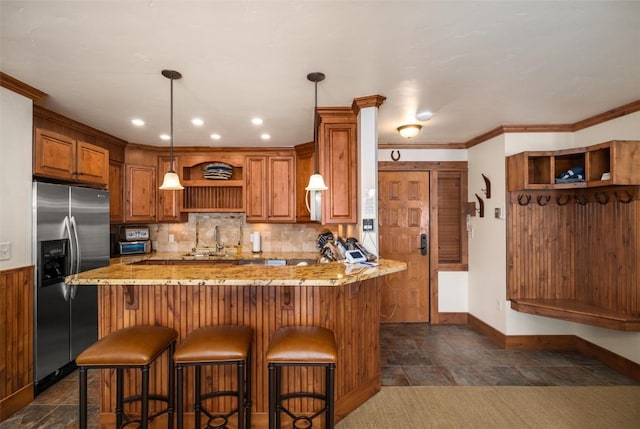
{"x": 498, "y": 407}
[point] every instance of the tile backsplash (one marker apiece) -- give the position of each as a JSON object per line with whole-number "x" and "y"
{"x": 199, "y": 232}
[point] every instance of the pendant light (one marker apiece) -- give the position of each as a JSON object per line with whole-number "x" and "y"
{"x": 171, "y": 180}
{"x": 316, "y": 182}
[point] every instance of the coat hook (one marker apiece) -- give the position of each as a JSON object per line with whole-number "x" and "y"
{"x": 523, "y": 199}
{"x": 487, "y": 186}
{"x": 563, "y": 200}
{"x": 543, "y": 200}
{"x": 602, "y": 200}
{"x": 627, "y": 201}
{"x": 481, "y": 205}
{"x": 581, "y": 199}
{"x": 395, "y": 157}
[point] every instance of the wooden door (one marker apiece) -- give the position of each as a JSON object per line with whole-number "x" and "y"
{"x": 256, "y": 189}
{"x": 92, "y": 163}
{"x": 116, "y": 189}
{"x": 169, "y": 202}
{"x": 403, "y": 217}
{"x": 141, "y": 193}
{"x": 55, "y": 155}
{"x": 281, "y": 191}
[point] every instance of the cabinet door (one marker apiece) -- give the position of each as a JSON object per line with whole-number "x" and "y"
{"x": 338, "y": 152}
{"x": 281, "y": 192}
{"x": 305, "y": 166}
{"x": 116, "y": 190}
{"x": 92, "y": 163}
{"x": 54, "y": 155}
{"x": 256, "y": 189}
{"x": 141, "y": 193}
{"x": 169, "y": 202}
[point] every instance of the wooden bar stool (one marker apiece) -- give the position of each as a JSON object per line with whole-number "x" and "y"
{"x": 301, "y": 346}
{"x": 134, "y": 347}
{"x": 217, "y": 345}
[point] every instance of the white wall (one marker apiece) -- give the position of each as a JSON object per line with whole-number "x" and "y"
{"x": 16, "y": 119}
{"x": 487, "y": 238}
{"x": 484, "y": 295}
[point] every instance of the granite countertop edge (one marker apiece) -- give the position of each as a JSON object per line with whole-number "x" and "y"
{"x": 127, "y": 270}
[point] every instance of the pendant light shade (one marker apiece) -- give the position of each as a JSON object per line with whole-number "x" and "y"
{"x": 171, "y": 180}
{"x": 316, "y": 182}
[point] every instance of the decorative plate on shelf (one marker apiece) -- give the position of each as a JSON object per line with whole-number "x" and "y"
{"x": 217, "y": 171}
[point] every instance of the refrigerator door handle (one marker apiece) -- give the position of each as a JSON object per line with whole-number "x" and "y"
{"x": 72, "y": 247}
{"x": 66, "y": 291}
{"x": 74, "y": 225}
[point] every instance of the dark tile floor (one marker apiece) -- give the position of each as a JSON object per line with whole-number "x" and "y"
{"x": 412, "y": 355}
{"x": 452, "y": 355}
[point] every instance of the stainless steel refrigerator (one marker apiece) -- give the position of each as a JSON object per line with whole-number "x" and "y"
{"x": 71, "y": 235}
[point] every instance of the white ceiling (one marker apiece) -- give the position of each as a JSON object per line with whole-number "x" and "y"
{"x": 476, "y": 65}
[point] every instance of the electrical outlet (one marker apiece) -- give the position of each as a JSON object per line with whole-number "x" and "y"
{"x": 5, "y": 250}
{"x": 171, "y": 238}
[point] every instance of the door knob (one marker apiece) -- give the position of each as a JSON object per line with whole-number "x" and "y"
{"x": 424, "y": 244}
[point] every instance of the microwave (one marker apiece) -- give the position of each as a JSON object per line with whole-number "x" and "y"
{"x": 134, "y": 247}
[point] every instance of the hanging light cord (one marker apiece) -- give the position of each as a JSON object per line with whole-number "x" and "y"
{"x": 315, "y": 128}
{"x": 171, "y": 170}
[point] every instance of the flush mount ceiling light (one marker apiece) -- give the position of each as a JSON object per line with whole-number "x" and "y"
{"x": 171, "y": 180}
{"x": 410, "y": 130}
{"x": 424, "y": 116}
{"x": 316, "y": 182}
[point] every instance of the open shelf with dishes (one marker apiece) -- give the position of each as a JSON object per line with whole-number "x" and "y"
{"x": 213, "y": 186}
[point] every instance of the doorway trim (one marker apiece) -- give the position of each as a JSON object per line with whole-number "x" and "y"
{"x": 436, "y": 318}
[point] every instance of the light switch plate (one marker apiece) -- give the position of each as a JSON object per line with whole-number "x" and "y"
{"x": 5, "y": 250}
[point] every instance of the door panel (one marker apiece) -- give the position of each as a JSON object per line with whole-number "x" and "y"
{"x": 403, "y": 217}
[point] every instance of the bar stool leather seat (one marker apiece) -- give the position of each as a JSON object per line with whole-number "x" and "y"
{"x": 217, "y": 345}
{"x": 301, "y": 346}
{"x": 133, "y": 347}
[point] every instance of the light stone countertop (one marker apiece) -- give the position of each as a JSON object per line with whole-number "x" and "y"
{"x": 125, "y": 271}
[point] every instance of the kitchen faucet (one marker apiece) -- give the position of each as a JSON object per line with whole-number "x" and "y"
{"x": 219, "y": 246}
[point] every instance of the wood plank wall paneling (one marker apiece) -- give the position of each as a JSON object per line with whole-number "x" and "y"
{"x": 265, "y": 309}
{"x": 16, "y": 334}
{"x": 587, "y": 252}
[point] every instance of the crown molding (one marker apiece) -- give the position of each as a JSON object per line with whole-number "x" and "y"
{"x": 20, "y": 87}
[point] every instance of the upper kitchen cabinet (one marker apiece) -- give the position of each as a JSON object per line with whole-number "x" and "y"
{"x": 270, "y": 188}
{"x": 58, "y": 156}
{"x": 305, "y": 166}
{"x": 140, "y": 183}
{"x": 116, "y": 192}
{"x": 169, "y": 202}
{"x": 337, "y": 148}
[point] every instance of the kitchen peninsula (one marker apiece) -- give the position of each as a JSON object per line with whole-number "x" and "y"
{"x": 186, "y": 292}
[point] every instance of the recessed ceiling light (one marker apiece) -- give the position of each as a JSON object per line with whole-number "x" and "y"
{"x": 215, "y": 136}
{"x": 137, "y": 122}
{"x": 256, "y": 121}
{"x": 265, "y": 136}
{"x": 424, "y": 116}
{"x": 197, "y": 122}
{"x": 165, "y": 136}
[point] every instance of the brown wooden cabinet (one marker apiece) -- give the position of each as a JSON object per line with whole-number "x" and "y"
{"x": 169, "y": 202}
{"x": 338, "y": 150}
{"x": 540, "y": 169}
{"x": 116, "y": 192}
{"x": 305, "y": 166}
{"x": 573, "y": 248}
{"x": 269, "y": 188}
{"x": 140, "y": 193}
{"x": 256, "y": 189}
{"x": 61, "y": 157}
